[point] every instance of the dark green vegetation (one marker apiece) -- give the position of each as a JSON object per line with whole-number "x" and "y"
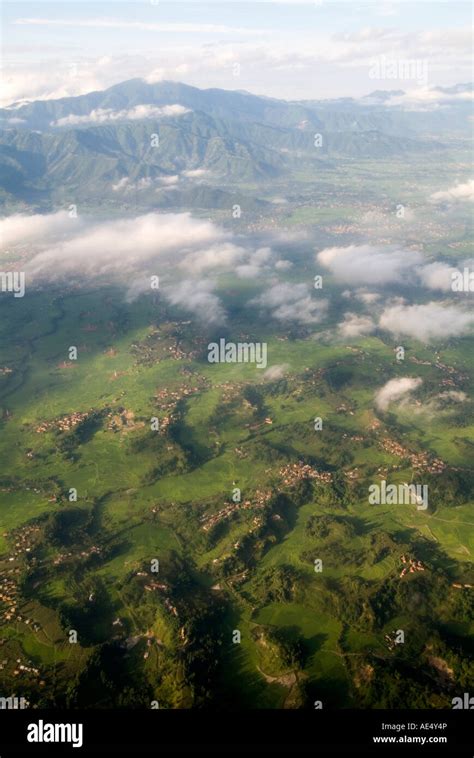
{"x": 92, "y": 500}
{"x": 86, "y": 565}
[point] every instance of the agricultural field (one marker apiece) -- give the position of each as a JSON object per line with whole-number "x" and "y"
{"x": 186, "y": 527}
{"x": 228, "y": 557}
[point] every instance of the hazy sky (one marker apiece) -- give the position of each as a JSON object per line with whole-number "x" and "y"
{"x": 283, "y": 49}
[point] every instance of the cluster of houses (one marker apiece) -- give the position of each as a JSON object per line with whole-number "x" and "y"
{"x": 84, "y": 554}
{"x": 176, "y": 352}
{"x": 418, "y": 460}
{"x": 259, "y": 499}
{"x": 122, "y": 420}
{"x": 422, "y": 461}
{"x": 231, "y": 390}
{"x": 8, "y": 596}
{"x": 208, "y": 521}
{"x": 155, "y": 586}
{"x": 374, "y": 425}
{"x": 149, "y": 353}
{"x": 351, "y": 474}
{"x": 344, "y": 408}
{"x": 259, "y": 424}
{"x": 453, "y": 372}
{"x": 10, "y": 616}
{"x": 23, "y": 668}
{"x": 297, "y": 472}
{"x": 24, "y": 541}
{"x": 448, "y": 383}
{"x": 170, "y": 607}
{"x": 64, "y": 424}
{"x": 449, "y": 369}
{"x": 168, "y": 400}
{"x": 240, "y": 453}
{"x": 9, "y": 600}
{"x": 391, "y": 639}
{"x": 353, "y": 437}
{"x": 161, "y": 587}
{"x": 169, "y": 346}
{"x": 411, "y": 565}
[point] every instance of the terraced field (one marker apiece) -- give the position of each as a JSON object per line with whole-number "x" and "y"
{"x": 131, "y": 571}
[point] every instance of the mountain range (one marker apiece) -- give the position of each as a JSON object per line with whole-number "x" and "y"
{"x": 187, "y": 145}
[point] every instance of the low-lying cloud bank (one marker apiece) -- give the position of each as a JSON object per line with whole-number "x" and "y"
{"x": 69, "y": 247}
{"x": 426, "y": 322}
{"x": 374, "y": 265}
{"x": 84, "y": 246}
{"x": 187, "y": 254}
{"x": 368, "y": 264}
{"x": 356, "y": 326}
{"x": 394, "y": 390}
{"x": 463, "y": 191}
{"x": 137, "y": 113}
{"x": 292, "y": 303}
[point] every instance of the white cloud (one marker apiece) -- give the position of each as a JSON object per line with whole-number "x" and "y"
{"x": 248, "y": 271}
{"x": 138, "y": 112}
{"x": 20, "y": 229}
{"x": 437, "y": 276}
{"x": 247, "y": 263}
{"x": 426, "y": 322}
{"x": 367, "y": 297}
{"x": 427, "y": 99}
{"x": 395, "y": 389}
{"x": 283, "y": 265}
{"x": 122, "y": 184}
{"x": 196, "y": 297}
{"x": 126, "y": 185}
{"x": 292, "y": 302}
{"x": 205, "y": 60}
{"x": 196, "y": 173}
{"x": 456, "y": 395}
{"x": 376, "y": 265}
{"x": 441, "y": 403}
{"x": 355, "y": 325}
{"x": 141, "y": 26}
{"x": 262, "y": 255}
{"x": 14, "y": 121}
{"x": 167, "y": 181}
{"x": 367, "y": 264}
{"x": 278, "y": 371}
{"x": 222, "y": 255}
{"x": 83, "y": 245}
{"x": 127, "y": 251}
{"x": 459, "y": 192}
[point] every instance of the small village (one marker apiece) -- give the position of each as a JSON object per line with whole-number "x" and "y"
{"x": 64, "y": 558}
{"x": 168, "y": 401}
{"x": 411, "y": 565}
{"x": 293, "y": 473}
{"x": 64, "y": 424}
{"x": 25, "y": 539}
{"x": 259, "y": 500}
{"x": 420, "y": 461}
{"x": 122, "y": 420}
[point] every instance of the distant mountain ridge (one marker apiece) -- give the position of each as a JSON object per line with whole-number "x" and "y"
{"x": 224, "y": 135}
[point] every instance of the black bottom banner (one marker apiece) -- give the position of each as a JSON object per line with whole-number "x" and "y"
{"x": 24, "y": 732}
